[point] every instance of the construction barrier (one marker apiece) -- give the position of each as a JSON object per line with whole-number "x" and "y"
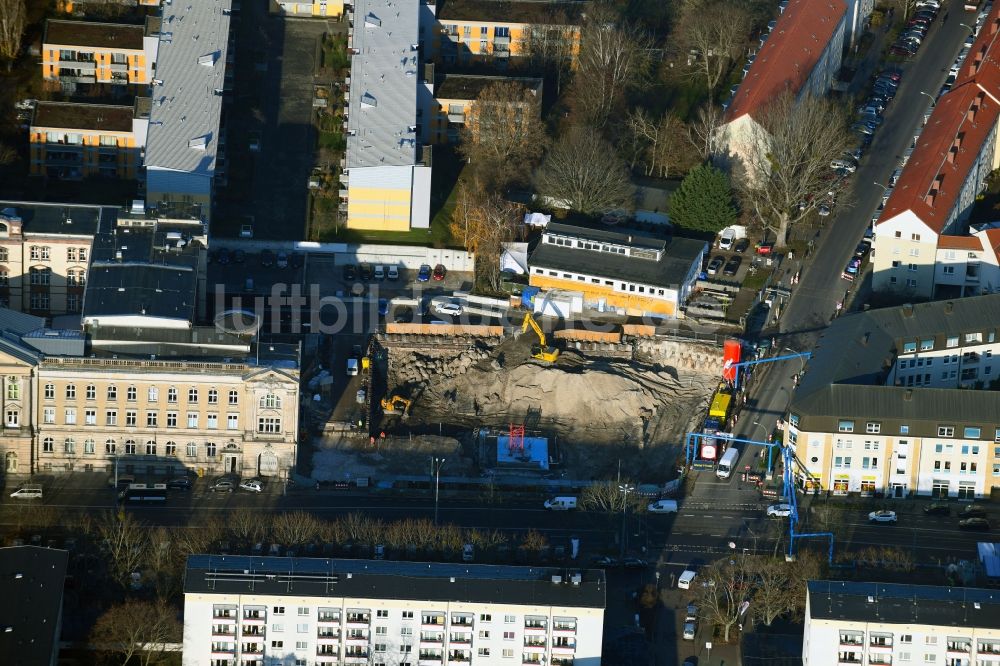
{"x": 445, "y": 329}
{"x": 613, "y": 337}
{"x": 639, "y": 330}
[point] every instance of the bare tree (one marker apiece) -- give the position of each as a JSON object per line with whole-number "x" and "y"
{"x": 127, "y": 542}
{"x": 786, "y": 160}
{"x": 296, "y": 527}
{"x": 503, "y": 130}
{"x": 608, "y": 497}
{"x": 136, "y": 630}
{"x": 714, "y": 34}
{"x": 12, "y": 20}
{"x": 549, "y": 44}
{"x": 664, "y": 143}
{"x": 583, "y": 172}
{"x": 614, "y": 57}
{"x": 246, "y": 525}
{"x": 7, "y": 153}
{"x": 485, "y": 221}
{"x": 703, "y": 132}
{"x": 725, "y": 588}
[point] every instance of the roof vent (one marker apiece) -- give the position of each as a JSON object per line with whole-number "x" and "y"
{"x": 975, "y": 604}
{"x": 908, "y": 310}
{"x": 199, "y": 142}
{"x": 368, "y": 99}
{"x": 871, "y": 599}
{"x": 452, "y": 579}
{"x": 208, "y": 59}
{"x": 556, "y": 579}
{"x": 576, "y": 579}
{"x": 372, "y": 21}
{"x": 949, "y": 307}
{"x": 908, "y": 395}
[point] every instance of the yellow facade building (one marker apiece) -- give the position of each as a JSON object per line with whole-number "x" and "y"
{"x": 454, "y": 96}
{"x": 84, "y": 52}
{"x": 467, "y": 31}
{"x": 73, "y": 141}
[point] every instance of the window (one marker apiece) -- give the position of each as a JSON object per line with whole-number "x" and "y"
{"x": 171, "y": 419}
{"x": 110, "y": 447}
{"x": 507, "y": 653}
{"x": 873, "y": 428}
{"x": 50, "y": 392}
{"x": 152, "y": 394}
{"x": 131, "y": 418}
{"x": 111, "y": 417}
{"x": 301, "y": 645}
{"x": 382, "y": 613}
{"x": 90, "y": 417}
{"x": 129, "y": 447}
{"x": 171, "y": 448}
{"x": 508, "y": 635}
{"x": 83, "y": 254}
{"x": 484, "y": 652}
{"x": 234, "y": 397}
{"x": 151, "y": 419}
{"x": 270, "y": 401}
{"x": 302, "y": 628}
{"x": 192, "y": 419}
{"x": 269, "y": 425}
{"x": 210, "y": 450}
{"x": 509, "y": 619}
{"x": 946, "y": 431}
{"x": 49, "y": 415}
{"x": 972, "y": 433}
{"x": 212, "y": 421}
{"x": 952, "y": 341}
{"x": 278, "y": 610}
{"x": 407, "y": 615}
{"x": 130, "y": 394}
{"x": 909, "y": 347}
{"x": 13, "y": 388}
{"x": 89, "y": 446}
{"x": 904, "y": 430}
{"x": 112, "y": 392}
{"x": 70, "y": 416}
{"x": 150, "y": 447}
{"x": 193, "y": 395}
{"x": 485, "y": 617}
{"x": 845, "y": 426}
{"x": 13, "y": 417}
{"x": 70, "y": 392}
{"x": 172, "y": 394}
{"x": 213, "y": 397}
{"x": 192, "y": 450}
{"x": 48, "y": 445}
{"x": 3, "y": 254}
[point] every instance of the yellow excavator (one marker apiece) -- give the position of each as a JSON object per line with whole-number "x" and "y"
{"x": 396, "y": 405}
{"x": 541, "y": 351}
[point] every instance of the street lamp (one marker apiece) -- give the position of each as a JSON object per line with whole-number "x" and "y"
{"x": 436, "y": 464}
{"x": 968, "y": 27}
{"x": 625, "y": 489}
{"x": 884, "y": 187}
{"x": 933, "y": 100}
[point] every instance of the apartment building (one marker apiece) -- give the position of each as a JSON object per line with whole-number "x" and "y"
{"x": 386, "y": 178}
{"x": 454, "y": 97}
{"x": 84, "y": 52}
{"x": 897, "y": 401}
{"x": 325, "y": 612}
{"x": 480, "y": 31}
{"x": 70, "y": 141}
{"x": 45, "y": 254}
{"x": 802, "y": 54}
{"x": 628, "y": 271}
{"x": 32, "y": 580}
{"x": 921, "y": 234}
{"x": 185, "y": 146}
{"x": 881, "y": 623}
{"x": 308, "y": 8}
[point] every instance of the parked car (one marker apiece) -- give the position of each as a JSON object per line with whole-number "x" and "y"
{"x": 295, "y": 260}
{"x": 281, "y": 260}
{"x": 223, "y": 485}
{"x": 252, "y": 485}
{"x": 451, "y": 309}
{"x": 741, "y": 245}
{"x": 851, "y": 270}
{"x": 764, "y": 248}
{"x": 847, "y": 165}
{"x": 690, "y": 629}
{"x": 779, "y": 510}
{"x": 972, "y": 511}
{"x": 350, "y": 272}
{"x": 980, "y": 524}
{"x": 393, "y": 272}
{"x": 383, "y": 306}
{"x": 634, "y": 563}
{"x": 439, "y": 272}
{"x": 715, "y": 265}
{"x": 937, "y": 509}
{"x": 424, "y": 274}
{"x": 884, "y": 516}
{"x": 366, "y": 272}
{"x": 732, "y": 266}
{"x": 691, "y": 613}
{"x": 222, "y": 256}
{"x": 239, "y": 256}
{"x": 824, "y": 210}
{"x": 662, "y": 506}
{"x": 863, "y": 248}
{"x": 604, "y": 562}
{"x": 861, "y": 128}
{"x": 180, "y": 483}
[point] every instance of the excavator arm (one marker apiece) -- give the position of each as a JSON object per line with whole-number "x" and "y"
{"x": 542, "y": 351}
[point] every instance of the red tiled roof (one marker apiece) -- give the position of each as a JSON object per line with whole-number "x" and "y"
{"x": 963, "y": 117}
{"x": 993, "y": 238}
{"x": 788, "y": 56}
{"x": 959, "y": 243}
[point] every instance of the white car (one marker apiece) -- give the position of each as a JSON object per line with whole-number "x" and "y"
{"x": 663, "y": 506}
{"x": 453, "y": 309}
{"x": 690, "y": 628}
{"x": 253, "y": 485}
{"x": 779, "y": 510}
{"x": 846, "y": 165}
{"x": 882, "y": 517}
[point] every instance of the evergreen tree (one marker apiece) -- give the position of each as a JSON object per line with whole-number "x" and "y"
{"x": 703, "y": 202}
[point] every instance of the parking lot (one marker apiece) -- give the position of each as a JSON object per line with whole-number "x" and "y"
{"x": 271, "y": 140}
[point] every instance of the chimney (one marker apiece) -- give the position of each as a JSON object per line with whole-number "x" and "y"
{"x": 952, "y": 152}
{"x": 908, "y": 310}
{"x": 949, "y": 307}
{"x": 908, "y": 395}
{"x": 995, "y": 26}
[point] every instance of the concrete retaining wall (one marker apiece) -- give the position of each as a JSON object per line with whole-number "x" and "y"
{"x": 683, "y": 355}
{"x": 574, "y": 334}
{"x": 639, "y": 330}
{"x": 404, "y": 256}
{"x": 445, "y": 329}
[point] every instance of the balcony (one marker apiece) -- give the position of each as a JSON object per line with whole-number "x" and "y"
{"x": 563, "y": 628}
{"x": 535, "y": 627}
{"x": 534, "y": 646}
{"x": 78, "y": 78}
{"x": 356, "y": 638}
{"x": 252, "y": 648}
{"x": 327, "y": 651}
{"x": 501, "y": 40}
{"x": 431, "y": 638}
{"x": 224, "y": 630}
{"x": 252, "y": 631}
{"x": 86, "y": 66}
{"x": 849, "y": 658}
{"x": 326, "y": 620}
{"x": 530, "y": 659}
{"x": 462, "y": 639}
{"x": 254, "y": 619}
{"x": 461, "y": 621}
{"x": 228, "y": 617}
{"x": 852, "y": 641}
{"x": 432, "y": 621}
{"x": 958, "y": 648}
{"x": 565, "y": 649}
{"x": 459, "y": 657}
{"x": 358, "y": 619}
{"x": 119, "y": 67}
{"x": 457, "y": 118}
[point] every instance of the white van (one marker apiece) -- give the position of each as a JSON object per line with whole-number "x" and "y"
{"x": 379, "y": 272}
{"x": 560, "y": 503}
{"x": 393, "y": 272}
{"x": 663, "y": 506}
{"x": 352, "y": 367}
{"x": 728, "y": 463}
{"x": 684, "y": 582}
{"x": 28, "y": 491}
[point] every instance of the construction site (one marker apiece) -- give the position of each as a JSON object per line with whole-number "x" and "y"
{"x": 511, "y": 400}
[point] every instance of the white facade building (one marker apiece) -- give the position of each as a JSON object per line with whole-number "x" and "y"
{"x": 872, "y": 623}
{"x": 265, "y": 611}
